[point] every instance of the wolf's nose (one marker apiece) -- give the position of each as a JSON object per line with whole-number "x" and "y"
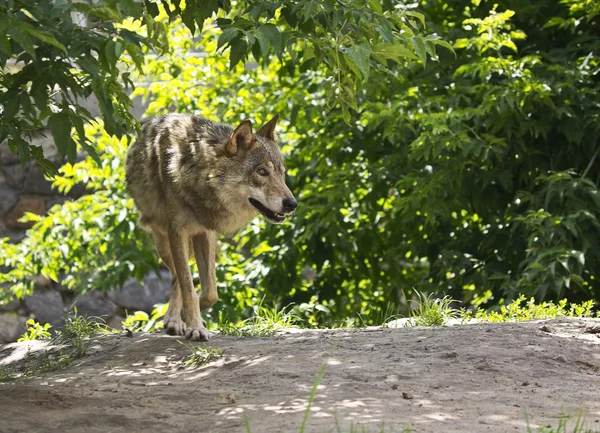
{"x": 290, "y": 204}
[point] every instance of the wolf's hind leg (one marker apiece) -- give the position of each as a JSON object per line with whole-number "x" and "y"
{"x": 205, "y": 245}
{"x": 174, "y": 325}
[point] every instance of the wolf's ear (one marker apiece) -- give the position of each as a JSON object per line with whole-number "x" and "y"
{"x": 268, "y": 129}
{"x": 242, "y": 137}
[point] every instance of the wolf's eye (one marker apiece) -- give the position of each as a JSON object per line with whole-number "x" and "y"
{"x": 263, "y": 172}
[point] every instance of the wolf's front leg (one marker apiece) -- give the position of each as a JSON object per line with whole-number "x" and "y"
{"x": 173, "y": 323}
{"x": 178, "y": 242}
{"x": 172, "y": 320}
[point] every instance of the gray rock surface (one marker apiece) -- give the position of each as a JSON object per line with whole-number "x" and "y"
{"x": 94, "y": 304}
{"x": 14, "y": 175}
{"x": 8, "y": 196}
{"x": 47, "y": 307}
{"x": 12, "y": 326}
{"x": 11, "y": 306}
{"x": 36, "y": 183}
{"x": 135, "y": 296}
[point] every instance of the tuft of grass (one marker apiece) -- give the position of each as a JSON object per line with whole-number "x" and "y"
{"x": 52, "y": 363}
{"x": 141, "y": 321}
{"x": 522, "y": 309}
{"x": 6, "y": 375}
{"x": 265, "y": 322}
{"x": 78, "y": 332}
{"x": 200, "y": 355}
{"x": 432, "y": 311}
{"x": 381, "y": 318}
{"x": 566, "y": 424}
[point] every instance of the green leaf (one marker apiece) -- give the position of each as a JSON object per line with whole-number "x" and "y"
{"x": 188, "y": 18}
{"x": 461, "y": 43}
{"x": 151, "y": 7}
{"x": 309, "y": 8}
{"x": 227, "y": 36}
{"x": 136, "y": 54}
{"x": 45, "y": 36}
{"x": 347, "y": 116}
{"x": 105, "y": 13}
{"x": 5, "y": 47}
{"x": 238, "y": 50}
{"x": 376, "y": 6}
{"x": 268, "y": 35}
{"x": 60, "y": 126}
{"x": 11, "y": 107}
{"x": 420, "y": 48}
{"x": 416, "y": 15}
{"x": 361, "y": 55}
{"x": 444, "y": 44}
{"x": 393, "y": 51}
{"x": 21, "y": 36}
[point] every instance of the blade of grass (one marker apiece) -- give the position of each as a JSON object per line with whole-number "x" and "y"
{"x": 247, "y": 423}
{"x": 313, "y": 394}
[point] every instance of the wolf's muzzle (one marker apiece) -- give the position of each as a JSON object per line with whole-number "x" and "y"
{"x": 290, "y": 204}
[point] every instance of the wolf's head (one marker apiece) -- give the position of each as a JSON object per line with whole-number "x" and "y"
{"x": 262, "y": 177}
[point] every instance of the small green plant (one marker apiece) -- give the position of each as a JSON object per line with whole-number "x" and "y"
{"x": 566, "y": 424}
{"x": 78, "y": 332}
{"x": 522, "y": 309}
{"x": 140, "y": 321}
{"x": 6, "y": 375}
{"x": 265, "y": 322}
{"x": 35, "y": 331}
{"x": 383, "y": 317}
{"x": 51, "y": 362}
{"x": 200, "y": 355}
{"x": 432, "y": 311}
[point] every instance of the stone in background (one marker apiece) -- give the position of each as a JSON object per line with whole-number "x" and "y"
{"x": 24, "y": 189}
{"x": 51, "y": 302}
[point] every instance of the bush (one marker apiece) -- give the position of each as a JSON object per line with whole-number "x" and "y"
{"x": 475, "y": 176}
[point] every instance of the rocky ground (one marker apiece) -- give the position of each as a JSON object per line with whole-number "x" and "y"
{"x": 471, "y": 378}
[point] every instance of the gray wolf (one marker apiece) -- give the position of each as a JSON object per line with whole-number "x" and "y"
{"x": 191, "y": 178}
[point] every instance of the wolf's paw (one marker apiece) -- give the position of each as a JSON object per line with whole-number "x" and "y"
{"x": 175, "y": 326}
{"x": 197, "y": 334}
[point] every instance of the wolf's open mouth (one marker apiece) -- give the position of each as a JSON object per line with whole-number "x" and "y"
{"x": 267, "y": 213}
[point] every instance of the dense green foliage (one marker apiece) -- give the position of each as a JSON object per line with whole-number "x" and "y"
{"x": 475, "y": 176}
{"x": 58, "y": 53}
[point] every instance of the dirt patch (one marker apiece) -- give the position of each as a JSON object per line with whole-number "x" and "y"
{"x": 472, "y": 378}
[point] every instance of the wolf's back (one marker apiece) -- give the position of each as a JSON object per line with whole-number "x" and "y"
{"x": 171, "y": 155}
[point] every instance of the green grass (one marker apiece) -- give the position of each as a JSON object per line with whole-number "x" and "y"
{"x": 200, "y": 355}
{"x": 522, "y": 309}
{"x": 265, "y": 322}
{"x": 566, "y": 424}
{"x": 73, "y": 339}
{"x": 52, "y": 362}
{"x": 78, "y": 332}
{"x": 432, "y": 311}
{"x": 6, "y": 375}
{"x": 140, "y": 321}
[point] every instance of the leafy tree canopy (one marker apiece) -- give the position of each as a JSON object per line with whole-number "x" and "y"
{"x": 60, "y": 52}
{"x": 475, "y": 176}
